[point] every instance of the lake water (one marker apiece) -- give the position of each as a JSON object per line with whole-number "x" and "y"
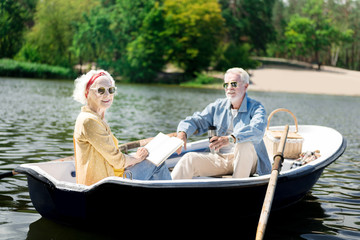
{"x": 36, "y": 124}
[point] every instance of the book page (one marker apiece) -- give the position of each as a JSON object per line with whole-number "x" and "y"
{"x": 161, "y": 147}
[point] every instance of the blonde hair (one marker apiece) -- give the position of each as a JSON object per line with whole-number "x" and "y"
{"x": 243, "y": 75}
{"x": 82, "y": 81}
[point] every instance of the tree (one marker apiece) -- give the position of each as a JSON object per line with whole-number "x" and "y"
{"x": 346, "y": 17}
{"x": 93, "y": 39}
{"x": 233, "y": 55}
{"x": 146, "y": 52}
{"x": 248, "y": 29}
{"x": 299, "y": 36}
{"x": 260, "y": 28}
{"x": 124, "y": 36}
{"x": 127, "y": 18}
{"x": 313, "y": 33}
{"x": 12, "y": 19}
{"x": 193, "y": 30}
{"x": 139, "y": 47}
{"x": 53, "y": 31}
{"x": 249, "y": 21}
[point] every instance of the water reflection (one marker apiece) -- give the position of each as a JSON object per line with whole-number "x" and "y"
{"x": 303, "y": 220}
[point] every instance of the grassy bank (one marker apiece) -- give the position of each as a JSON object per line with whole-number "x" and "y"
{"x": 12, "y": 68}
{"x": 204, "y": 81}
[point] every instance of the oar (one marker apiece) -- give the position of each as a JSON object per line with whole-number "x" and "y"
{"x": 278, "y": 159}
{"x": 123, "y": 147}
{"x": 7, "y": 174}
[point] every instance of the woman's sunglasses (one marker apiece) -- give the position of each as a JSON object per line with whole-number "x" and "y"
{"x": 233, "y": 84}
{"x": 102, "y": 90}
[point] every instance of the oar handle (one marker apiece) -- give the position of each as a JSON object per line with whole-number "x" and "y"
{"x": 8, "y": 174}
{"x": 265, "y": 212}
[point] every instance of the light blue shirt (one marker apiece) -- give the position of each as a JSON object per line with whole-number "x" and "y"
{"x": 249, "y": 125}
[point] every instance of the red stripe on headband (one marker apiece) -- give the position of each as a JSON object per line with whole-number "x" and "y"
{"x": 91, "y": 81}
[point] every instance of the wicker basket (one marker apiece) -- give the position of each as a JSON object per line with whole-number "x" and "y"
{"x": 294, "y": 141}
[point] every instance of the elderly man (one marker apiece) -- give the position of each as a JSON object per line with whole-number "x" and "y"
{"x": 240, "y": 122}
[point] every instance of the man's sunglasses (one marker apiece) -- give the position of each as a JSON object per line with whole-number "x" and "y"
{"x": 233, "y": 84}
{"x": 101, "y": 90}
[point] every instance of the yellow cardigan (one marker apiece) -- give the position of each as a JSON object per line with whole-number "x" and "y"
{"x": 97, "y": 154}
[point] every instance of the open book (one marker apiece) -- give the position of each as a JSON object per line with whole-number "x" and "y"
{"x": 161, "y": 147}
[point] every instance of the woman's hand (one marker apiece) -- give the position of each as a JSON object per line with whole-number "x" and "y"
{"x": 218, "y": 142}
{"x": 141, "y": 154}
{"x": 182, "y": 136}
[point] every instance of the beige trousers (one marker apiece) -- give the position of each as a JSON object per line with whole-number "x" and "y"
{"x": 241, "y": 163}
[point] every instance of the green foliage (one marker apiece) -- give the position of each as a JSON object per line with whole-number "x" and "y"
{"x": 146, "y": 53}
{"x": 14, "y": 68}
{"x": 93, "y": 38}
{"x": 201, "y": 80}
{"x": 193, "y": 30}
{"x": 299, "y": 35}
{"x": 136, "y": 46}
{"x": 136, "y": 39}
{"x": 12, "y": 18}
{"x": 315, "y": 30}
{"x": 29, "y": 53}
{"x": 53, "y": 31}
{"x": 148, "y": 34}
{"x": 249, "y": 21}
{"x": 235, "y": 56}
{"x": 313, "y": 33}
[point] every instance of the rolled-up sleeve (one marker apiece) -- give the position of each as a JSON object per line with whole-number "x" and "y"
{"x": 103, "y": 142}
{"x": 198, "y": 123}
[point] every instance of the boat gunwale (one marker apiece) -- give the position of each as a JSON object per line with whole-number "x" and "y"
{"x": 41, "y": 175}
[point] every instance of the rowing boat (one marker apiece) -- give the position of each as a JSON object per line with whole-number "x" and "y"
{"x": 56, "y": 195}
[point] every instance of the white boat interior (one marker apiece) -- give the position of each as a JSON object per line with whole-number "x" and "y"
{"x": 327, "y": 140}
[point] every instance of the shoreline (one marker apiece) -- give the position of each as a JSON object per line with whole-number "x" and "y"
{"x": 327, "y": 81}
{"x": 275, "y": 77}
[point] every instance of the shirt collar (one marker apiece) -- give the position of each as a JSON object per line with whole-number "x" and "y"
{"x": 243, "y": 107}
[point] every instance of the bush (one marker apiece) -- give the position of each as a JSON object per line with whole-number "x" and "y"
{"x": 235, "y": 56}
{"x": 202, "y": 79}
{"x": 12, "y": 68}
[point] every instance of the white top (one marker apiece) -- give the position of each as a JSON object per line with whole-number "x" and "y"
{"x": 230, "y": 148}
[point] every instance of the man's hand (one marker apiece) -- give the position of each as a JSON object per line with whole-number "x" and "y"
{"x": 182, "y": 136}
{"x": 218, "y": 142}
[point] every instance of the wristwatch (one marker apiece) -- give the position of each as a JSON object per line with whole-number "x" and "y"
{"x": 232, "y": 139}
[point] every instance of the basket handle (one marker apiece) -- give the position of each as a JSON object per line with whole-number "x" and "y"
{"x": 282, "y": 110}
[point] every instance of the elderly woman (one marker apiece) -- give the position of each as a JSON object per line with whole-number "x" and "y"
{"x": 97, "y": 155}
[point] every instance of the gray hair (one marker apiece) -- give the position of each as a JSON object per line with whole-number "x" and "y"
{"x": 82, "y": 81}
{"x": 243, "y": 75}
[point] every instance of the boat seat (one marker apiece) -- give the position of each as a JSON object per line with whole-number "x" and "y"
{"x": 218, "y": 176}
{"x": 230, "y": 176}
{"x": 222, "y": 176}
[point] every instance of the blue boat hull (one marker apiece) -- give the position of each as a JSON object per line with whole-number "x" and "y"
{"x": 110, "y": 199}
